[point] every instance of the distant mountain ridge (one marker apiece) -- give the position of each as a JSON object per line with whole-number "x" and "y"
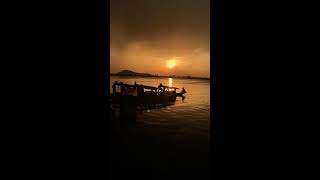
{"x": 130, "y": 73}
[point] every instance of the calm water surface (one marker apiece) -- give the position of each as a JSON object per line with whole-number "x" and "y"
{"x": 189, "y": 117}
{"x": 174, "y": 137}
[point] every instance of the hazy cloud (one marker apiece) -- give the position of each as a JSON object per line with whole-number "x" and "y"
{"x": 151, "y": 31}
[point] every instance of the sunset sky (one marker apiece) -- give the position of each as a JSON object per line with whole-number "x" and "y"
{"x": 160, "y": 36}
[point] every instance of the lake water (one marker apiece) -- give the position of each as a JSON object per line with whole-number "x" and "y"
{"x": 174, "y": 139}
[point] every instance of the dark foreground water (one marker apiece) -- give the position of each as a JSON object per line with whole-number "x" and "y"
{"x": 164, "y": 143}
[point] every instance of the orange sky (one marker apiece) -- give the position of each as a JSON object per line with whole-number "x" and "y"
{"x": 143, "y": 37}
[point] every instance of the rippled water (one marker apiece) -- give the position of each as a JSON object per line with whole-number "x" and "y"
{"x": 189, "y": 117}
{"x": 181, "y": 130}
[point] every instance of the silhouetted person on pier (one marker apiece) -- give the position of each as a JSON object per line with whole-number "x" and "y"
{"x": 183, "y": 91}
{"x": 121, "y": 87}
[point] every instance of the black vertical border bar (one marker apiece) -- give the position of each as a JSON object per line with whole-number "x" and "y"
{"x": 103, "y": 51}
{"x": 216, "y": 86}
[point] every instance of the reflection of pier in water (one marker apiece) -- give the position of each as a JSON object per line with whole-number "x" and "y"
{"x": 129, "y": 111}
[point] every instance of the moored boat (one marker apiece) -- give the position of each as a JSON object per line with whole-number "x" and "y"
{"x": 143, "y": 95}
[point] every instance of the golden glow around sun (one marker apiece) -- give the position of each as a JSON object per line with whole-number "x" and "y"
{"x": 171, "y": 63}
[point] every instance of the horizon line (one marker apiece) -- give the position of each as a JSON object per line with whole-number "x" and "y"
{"x": 157, "y": 75}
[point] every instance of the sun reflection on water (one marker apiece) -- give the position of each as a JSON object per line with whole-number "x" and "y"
{"x": 170, "y": 82}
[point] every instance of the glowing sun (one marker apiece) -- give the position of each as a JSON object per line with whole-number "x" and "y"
{"x": 171, "y": 63}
